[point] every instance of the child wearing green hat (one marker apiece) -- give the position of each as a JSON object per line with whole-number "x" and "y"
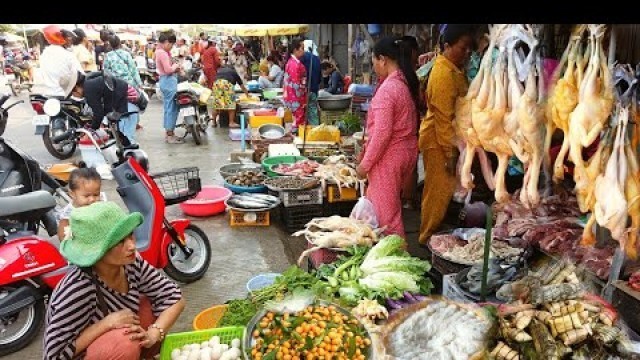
{"x": 111, "y": 296}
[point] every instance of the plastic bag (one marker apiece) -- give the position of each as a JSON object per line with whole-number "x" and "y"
{"x": 364, "y": 211}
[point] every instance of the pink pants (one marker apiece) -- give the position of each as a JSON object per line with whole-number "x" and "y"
{"x": 386, "y": 180}
{"x": 116, "y": 345}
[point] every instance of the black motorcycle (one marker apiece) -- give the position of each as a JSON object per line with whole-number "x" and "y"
{"x": 20, "y": 174}
{"x": 195, "y": 115}
{"x": 150, "y": 80}
{"x": 57, "y": 127}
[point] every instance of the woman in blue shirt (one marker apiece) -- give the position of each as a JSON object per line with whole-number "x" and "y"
{"x": 335, "y": 84}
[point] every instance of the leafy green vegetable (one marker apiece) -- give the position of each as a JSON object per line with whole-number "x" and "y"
{"x": 389, "y": 246}
{"x": 293, "y": 278}
{"x": 239, "y": 313}
{"x": 396, "y": 263}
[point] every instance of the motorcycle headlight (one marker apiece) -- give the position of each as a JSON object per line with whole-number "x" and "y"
{"x": 51, "y": 107}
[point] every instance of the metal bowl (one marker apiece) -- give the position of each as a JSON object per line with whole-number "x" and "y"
{"x": 335, "y": 102}
{"x": 233, "y": 168}
{"x": 271, "y": 131}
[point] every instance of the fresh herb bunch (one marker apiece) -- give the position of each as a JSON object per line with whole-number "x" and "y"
{"x": 239, "y": 313}
{"x": 293, "y": 278}
{"x": 350, "y": 123}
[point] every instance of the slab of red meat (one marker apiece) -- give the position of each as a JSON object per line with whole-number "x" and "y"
{"x": 634, "y": 281}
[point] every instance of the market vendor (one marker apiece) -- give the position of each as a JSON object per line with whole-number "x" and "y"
{"x": 437, "y": 143}
{"x": 224, "y": 95}
{"x": 111, "y": 304}
{"x": 295, "y": 83}
{"x": 391, "y": 148}
{"x": 272, "y": 77}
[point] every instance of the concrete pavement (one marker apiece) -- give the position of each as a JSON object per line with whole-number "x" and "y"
{"x": 238, "y": 253}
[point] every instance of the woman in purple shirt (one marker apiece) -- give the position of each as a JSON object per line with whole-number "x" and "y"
{"x": 168, "y": 84}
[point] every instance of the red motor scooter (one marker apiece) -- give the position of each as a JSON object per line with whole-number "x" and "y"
{"x": 31, "y": 266}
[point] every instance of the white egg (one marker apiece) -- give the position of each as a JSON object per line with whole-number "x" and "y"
{"x": 195, "y": 346}
{"x": 234, "y": 352}
{"x": 205, "y": 344}
{"x": 224, "y": 347}
{"x": 226, "y": 356}
{"x": 235, "y": 343}
{"x": 216, "y": 352}
{"x": 182, "y": 357}
{"x": 194, "y": 356}
{"x": 215, "y": 340}
{"x": 205, "y": 354}
{"x": 186, "y": 348}
{"x": 175, "y": 354}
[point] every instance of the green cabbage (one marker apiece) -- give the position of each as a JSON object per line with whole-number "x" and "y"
{"x": 411, "y": 265}
{"x": 390, "y": 282}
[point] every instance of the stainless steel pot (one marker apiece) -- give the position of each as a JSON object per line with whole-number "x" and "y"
{"x": 335, "y": 102}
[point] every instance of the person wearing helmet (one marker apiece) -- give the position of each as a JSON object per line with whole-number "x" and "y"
{"x": 103, "y": 93}
{"x": 59, "y": 66}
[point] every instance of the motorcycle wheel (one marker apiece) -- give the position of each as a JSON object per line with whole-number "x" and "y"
{"x": 58, "y": 151}
{"x": 194, "y": 129}
{"x": 194, "y": 268}
{"x": 29, "y": 321}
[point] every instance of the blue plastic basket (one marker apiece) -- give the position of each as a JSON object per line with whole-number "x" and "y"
{"x": 246, "y": 189}
{"x": 260, "y": 281}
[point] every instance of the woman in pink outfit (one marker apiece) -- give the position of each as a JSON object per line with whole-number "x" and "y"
{"x": 295, "y": 83}
{"x": 391, "y": 149}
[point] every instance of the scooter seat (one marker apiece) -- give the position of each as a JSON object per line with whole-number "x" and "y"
{"x": 37, "y": 200}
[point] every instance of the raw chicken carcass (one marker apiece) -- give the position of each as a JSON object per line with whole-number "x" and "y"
{"x": 467, "y": 106}
{"x": 488, "y": 125}
{"x": 532, "y": 131}
{"x": 611, "y": 204}
{"x": 595, "y": 101}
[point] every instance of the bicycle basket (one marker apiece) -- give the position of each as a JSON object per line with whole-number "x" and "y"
{"x": 178, "y": 185}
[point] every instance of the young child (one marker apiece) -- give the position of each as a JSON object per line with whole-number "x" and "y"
{"x": 84, "y": 188}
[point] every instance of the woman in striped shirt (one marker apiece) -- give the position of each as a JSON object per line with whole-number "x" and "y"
{"x": 112, "y": 304}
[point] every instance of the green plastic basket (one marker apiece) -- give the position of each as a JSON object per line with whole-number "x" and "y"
{"x": 276, "y": 160}
{"x": 178, "y": 340}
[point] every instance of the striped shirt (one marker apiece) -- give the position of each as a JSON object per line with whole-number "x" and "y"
{"x": 74, "y": 304}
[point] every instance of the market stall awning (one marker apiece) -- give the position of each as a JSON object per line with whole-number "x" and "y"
{"x": 11, "y": 38}
{"x": 265, "y": 29}
{"x": 132, "y": 37}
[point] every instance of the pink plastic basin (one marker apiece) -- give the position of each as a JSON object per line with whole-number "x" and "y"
{"x": 209, "y": 201}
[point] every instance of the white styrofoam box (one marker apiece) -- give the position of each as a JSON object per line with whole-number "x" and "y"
{"x": 91, "y": 156}
{"x": 283, "y": 150}
{"x": 452, "y": 291}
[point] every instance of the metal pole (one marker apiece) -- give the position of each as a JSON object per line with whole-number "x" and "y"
{"x": 26, "y": 39}
{"x": 487, "y": 250}
{"x": 349, "y": 50}
{"x": 612, "y": 46}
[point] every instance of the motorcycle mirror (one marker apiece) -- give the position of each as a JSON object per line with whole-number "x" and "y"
{"x": 51, "y": 107}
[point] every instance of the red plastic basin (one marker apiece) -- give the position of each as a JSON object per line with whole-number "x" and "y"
{"x": 209, "y": 201}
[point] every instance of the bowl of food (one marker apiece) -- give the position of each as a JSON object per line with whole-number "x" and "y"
{"x": 246, "y": 181}
{"x": 269, "y": 328}
{"x": 271, "y": 131}
{"x": 233, "y": 168}
{"x": 335, "y": 102}
{"x": 209, "y": 201}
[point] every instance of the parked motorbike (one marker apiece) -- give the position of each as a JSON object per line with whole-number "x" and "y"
{"x": 56, "y": 118}
{"x": 31, "y": 267}
{"x": 20, "y": 174}
{"x": 194, "y": 113}
{"x": 20, "y": 80}
{"x": 150, "y": 80}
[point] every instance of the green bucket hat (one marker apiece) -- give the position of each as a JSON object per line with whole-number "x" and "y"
{"x": 94, "y": 230}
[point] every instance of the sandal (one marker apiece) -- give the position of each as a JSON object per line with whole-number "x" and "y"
{"x": 172, "y": 139}
{"x": 234, "y": 126}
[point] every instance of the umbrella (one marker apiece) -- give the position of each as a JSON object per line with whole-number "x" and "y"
{"x": 265, "y": 29}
